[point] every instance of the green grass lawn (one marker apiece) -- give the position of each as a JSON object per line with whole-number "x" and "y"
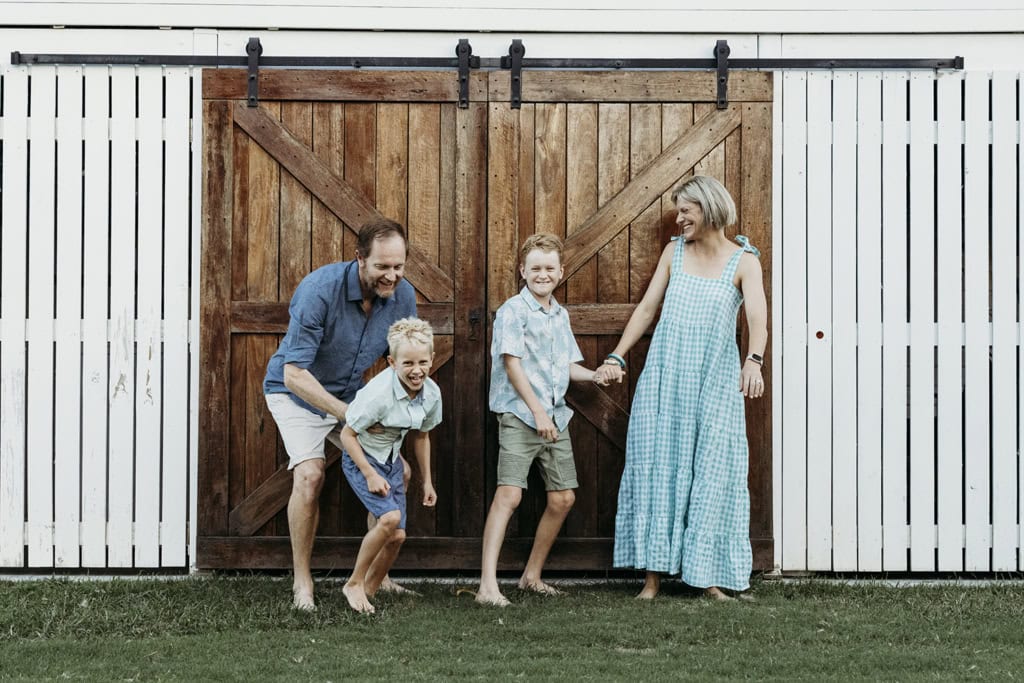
{"x": 228, "y": 628}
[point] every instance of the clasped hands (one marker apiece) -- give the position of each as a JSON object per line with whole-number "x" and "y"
{"x": 608, "y": 373}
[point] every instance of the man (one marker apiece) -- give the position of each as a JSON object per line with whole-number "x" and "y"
{"x": 338, "y": 322}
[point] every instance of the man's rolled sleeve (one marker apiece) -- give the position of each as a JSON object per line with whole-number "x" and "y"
{"x": 307, "y": 313}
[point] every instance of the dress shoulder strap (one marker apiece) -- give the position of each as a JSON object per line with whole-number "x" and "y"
{"x": 747, "y": 246}
{"x": 734, "y": 260}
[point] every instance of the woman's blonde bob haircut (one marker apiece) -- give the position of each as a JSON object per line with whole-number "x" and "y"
{"x": 714, "y": 200}
{"x": 409, "y": 330}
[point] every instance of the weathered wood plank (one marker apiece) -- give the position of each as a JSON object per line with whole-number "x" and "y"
{"x": 423, "y": 189}
{"x": 329, "y": 146}
{"x": 600, "y": 410}
{"x": 347, "y": 203}
{"x": 645, "y": 231}
{"x": 271, "y": 317}
{"x": 446, "y": 190}
{"x": 345, "y": 86}
{"x": 649, "y": 184}
{"x": 296, "y": 208}
{"x": 631, "y": 86}
{"x": 218, "y": 178}
{"x": 392, "y": 164}
{"x": 502, "y": 203}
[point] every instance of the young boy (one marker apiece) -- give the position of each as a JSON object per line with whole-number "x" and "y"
{"x": 533, "y": 357}
{"x": 401, "y": 399}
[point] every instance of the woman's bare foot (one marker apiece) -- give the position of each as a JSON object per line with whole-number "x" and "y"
{"x": 715, "y": 593}
{"x": 492, "y": 598}
{"x": 357, "y": 599}
{"x": 538, "y": 586}
{"x": 652, "y": 584}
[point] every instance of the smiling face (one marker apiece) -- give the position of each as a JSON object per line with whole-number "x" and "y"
{"x": 382, "y": 269}
{"x": 412, "y": 362}
{"x": 690, "y": 219}
{"x": 542, "y": 271}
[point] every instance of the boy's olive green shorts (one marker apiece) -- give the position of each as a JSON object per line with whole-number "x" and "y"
{"x": 520, "y": 445}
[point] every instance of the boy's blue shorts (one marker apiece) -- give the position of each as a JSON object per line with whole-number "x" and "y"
{"x": 393, "y": 471}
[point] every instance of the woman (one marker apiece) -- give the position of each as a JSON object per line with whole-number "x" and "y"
{"x": 683, "y": 500}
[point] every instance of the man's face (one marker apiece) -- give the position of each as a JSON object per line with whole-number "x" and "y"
{"x": 382, "y": 269}
{"x": 411, "y": 363}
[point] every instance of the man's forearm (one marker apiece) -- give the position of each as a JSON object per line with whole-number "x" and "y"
{"x": 303, "y": 384}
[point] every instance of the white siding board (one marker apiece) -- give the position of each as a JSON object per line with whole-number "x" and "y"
{"x": 39, "y": 329}
{"x": 13, "y": 363}
{"x": 976, "y": 307}
{"x": 173, "y": 537}
{"x": 819, "y": 319}
{"x": 869, "y": 318}
{"x": 844, "y": 321}
{"x": 68, "y": 351}
{"x": 922, "y": 322}
{"x": 793, "y": 495}
{"x": 1004, "y": 323}
{"x": 121, "y": 389}
{"x": 894, "y": 321}
{"x": 148, "y": 366}
{"x": 949, "y": 295}
{"x": 94, "y": 317}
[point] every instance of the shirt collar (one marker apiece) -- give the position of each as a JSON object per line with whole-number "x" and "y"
{"x": 400, "y": 393}
{"x": 535, "y": 305}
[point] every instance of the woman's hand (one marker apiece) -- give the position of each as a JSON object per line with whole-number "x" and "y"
{"x": 607, "y": 373}
{"x": 751, "y": 382}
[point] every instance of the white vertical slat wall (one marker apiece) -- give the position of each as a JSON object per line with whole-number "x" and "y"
{"x": 99, "y": 302}
{"x": 900, "y": 256}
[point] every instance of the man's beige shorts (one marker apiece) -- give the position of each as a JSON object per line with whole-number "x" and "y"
{"x": 302, "y": 431}
{"x": 520, "y": 445}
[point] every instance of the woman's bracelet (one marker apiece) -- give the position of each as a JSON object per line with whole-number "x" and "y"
{"x": 617, "y": 359}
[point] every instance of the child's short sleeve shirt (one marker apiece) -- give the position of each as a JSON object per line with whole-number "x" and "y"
{"x": 544, "y": 343}
{"x": 385, "y": 402}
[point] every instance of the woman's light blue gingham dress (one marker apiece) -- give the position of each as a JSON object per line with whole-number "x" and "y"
{"x": 683, "y": 500}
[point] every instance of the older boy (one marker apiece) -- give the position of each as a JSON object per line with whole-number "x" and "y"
{"x": 533, "y": 357}
{"x": 399, "y": 400}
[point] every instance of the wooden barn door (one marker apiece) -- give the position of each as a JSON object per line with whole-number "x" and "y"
{"x": 285, "y": 185}
{"x": 593, "y": 156}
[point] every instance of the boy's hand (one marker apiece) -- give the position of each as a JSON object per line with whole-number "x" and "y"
{"x": 377, "y": 484}
{"x": 607, "y": 373}
{"x": 429, "y": 496}
{"x": 546, "y": 427}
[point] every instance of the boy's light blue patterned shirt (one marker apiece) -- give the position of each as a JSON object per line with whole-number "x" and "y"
{"x": 545, "y": 345}
{"x": 384, "y": 401}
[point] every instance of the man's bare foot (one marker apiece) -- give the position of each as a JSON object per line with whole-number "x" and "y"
{"x": 302, "y": 600}
{"x": 539, "y": 586}
{"x": 389, "y": 586}
{"x": 715, "y": 594}
{"x": 357, "y": 599}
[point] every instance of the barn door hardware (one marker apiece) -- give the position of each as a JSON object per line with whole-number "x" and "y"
{"x": 514, "y": 61}
{"x": 464, "y": 51}
{"x": 253, "y": 50}
{"x": 722, "y": 79}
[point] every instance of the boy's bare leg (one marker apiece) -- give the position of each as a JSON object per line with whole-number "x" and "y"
{"x": 382, "y": 563}
{"x": 387, "y": 585}
{"x": 555, "y": 512}
{"x": 303, "y": 516}
{"x": 652, "y": 584}
{"x": 506, "y": 500}
{"x": 373, "y": 542}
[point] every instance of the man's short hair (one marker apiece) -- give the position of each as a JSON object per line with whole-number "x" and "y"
{"x": 377, "y": 229}
{"x": 409, "y": 330}
{"x": 544, "y": 241}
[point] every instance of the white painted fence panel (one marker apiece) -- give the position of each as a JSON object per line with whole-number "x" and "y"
{"x": 100, "y": 250}
{"x": 932, "y": 359}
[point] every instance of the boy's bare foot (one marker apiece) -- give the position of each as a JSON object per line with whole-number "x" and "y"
{"x": 389, "y": 586}
{"x": 302, "y": 600}
{"x": 357, "y": 599}
{"x": 715, "y": 594}
{"x": 539, "y": 587}
{"x": 492, "y": 598}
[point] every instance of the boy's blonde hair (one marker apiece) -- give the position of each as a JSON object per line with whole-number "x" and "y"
{"x": 544, "y": 241}
{"x": 410, "y": 330}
